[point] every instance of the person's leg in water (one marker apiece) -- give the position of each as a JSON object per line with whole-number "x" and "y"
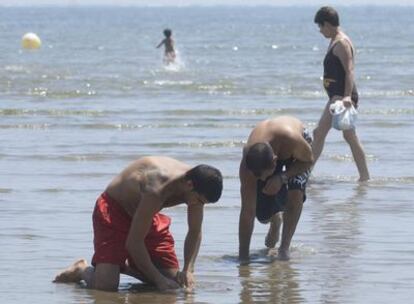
{"x": 273, "y": 234}
{"x": 170, "y": 273}
{"x": 104, "y": 276}
{"x": 358, "y": 153}
{"x": 269, "y": 209}
{"x": 291, "y": 217}
{"x": 320, "y": 132}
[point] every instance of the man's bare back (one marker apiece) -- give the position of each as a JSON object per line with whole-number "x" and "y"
{"x": 283, "y": 133}
{"x": 146, "y": 175}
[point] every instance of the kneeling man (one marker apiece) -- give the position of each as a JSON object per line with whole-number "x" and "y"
{"x": 273, "y": 173}
{"x": 133, "y": 238}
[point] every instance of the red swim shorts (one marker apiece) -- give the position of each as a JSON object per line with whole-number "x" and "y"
{"x": 111, "y": 227}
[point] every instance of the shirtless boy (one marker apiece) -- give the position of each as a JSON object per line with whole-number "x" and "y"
{"x": 273, "y": 173}
{"x": 168, "y": 42}
{"x": 132, "y": 237}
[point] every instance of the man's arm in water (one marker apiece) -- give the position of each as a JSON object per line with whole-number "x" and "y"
{"x": 135, "y": 244}
{"x": 247, "y": 212}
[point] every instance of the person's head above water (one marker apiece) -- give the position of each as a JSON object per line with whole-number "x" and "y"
{"x": 206, "y": 181}
{"x": 259, "y": 158}
{"x": 167, "y": 33}
{"x": 327, "y": 14}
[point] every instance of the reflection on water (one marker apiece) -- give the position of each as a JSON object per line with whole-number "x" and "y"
{"x": 274, "y": 282}
{"x": 75, "y": 112}
{"x": 131, "y": 294}
{"x": 336, "y": 217}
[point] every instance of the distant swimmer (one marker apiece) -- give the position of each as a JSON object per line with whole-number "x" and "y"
{"x": 273, "y": 174}
{"x": 132, "y": 237}
{"x": 338, "y": 80}
{"x": 168, "y": 42}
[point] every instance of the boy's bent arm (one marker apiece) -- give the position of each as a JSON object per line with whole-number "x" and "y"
{"x": 161, "y": 43}
{"x": 303, "y": 158}
{"x": 135, "y": 244}
{"x": 247, "y": 212}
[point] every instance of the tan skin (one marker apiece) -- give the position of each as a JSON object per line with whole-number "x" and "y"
{"x": 343, "y": 49}
{"x": 169, "y": 52}
{"x": 285, "y": 135}
{"x": 144, "y": 188}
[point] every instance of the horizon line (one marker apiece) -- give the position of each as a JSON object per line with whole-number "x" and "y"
{"x": 198, "y": 5}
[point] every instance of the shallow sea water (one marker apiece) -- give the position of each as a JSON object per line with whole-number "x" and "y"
{"x": 96, "y": 96}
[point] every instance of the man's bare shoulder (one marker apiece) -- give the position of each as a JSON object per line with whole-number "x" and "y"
{"x": 285, "y": 120}
{"x": 152, "y": 172}
{"x": 149, "y": 173}
{"x": 150, "y": 162}
{"x": 275, "y": 129}
{"x": 285, "y": 127}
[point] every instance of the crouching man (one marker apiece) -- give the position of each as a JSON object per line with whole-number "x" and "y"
{"x": 132, "y": 237}
{"x": 273, "y": 173}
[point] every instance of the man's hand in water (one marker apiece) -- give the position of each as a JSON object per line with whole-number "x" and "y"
{"x": 166, "y": 284}
{"x": 185, "y": 279}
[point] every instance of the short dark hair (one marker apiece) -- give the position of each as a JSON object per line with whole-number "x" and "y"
{"x": 167, "y": 33}
{"x": 207, "y": 181}
{"x": 259, "y": 157}
{"x": 327, "y": 14}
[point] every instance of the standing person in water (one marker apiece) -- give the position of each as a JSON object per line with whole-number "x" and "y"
{"x": 132, "y": 237}
{"x": 338, "y": 80}
{"x": 168, "y": 42}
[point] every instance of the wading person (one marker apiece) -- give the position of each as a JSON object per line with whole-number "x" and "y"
{"x": 338, "y": 80}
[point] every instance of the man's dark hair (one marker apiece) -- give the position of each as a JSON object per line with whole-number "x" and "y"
{"x": 327, "y": 14}
{"x": 207, "y": 181}
{"x": 167, "y": 33}
{"x": 259, "y": 157}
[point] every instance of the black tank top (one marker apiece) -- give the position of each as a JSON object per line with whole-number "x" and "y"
{"x": 334, "y": 76}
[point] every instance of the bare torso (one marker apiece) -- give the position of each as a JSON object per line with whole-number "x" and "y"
{"x": 284, "y": 134}
{"x": 169, "y": 45}
{"x": 147, "y": 175}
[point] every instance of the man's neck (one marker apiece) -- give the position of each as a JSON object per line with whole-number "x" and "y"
{"x": 174, "y": 192}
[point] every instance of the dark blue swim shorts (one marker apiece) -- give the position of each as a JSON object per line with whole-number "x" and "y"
{"x": 268, "y": 205}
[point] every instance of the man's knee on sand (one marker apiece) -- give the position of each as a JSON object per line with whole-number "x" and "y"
{"x": 170, "y": 273}
{"x": 106, "y": 277}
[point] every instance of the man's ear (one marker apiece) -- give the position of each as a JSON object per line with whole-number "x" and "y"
{"x": 274, "y": 160}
